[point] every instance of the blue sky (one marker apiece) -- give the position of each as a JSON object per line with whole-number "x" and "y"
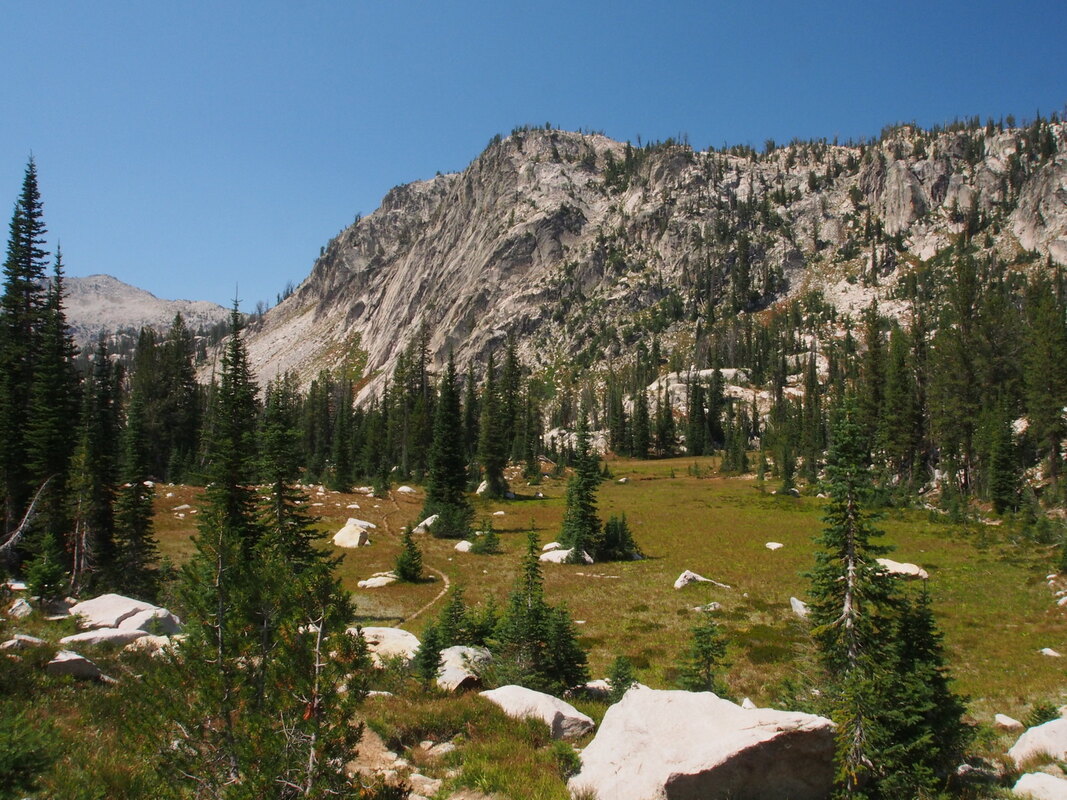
{"x": 200, "y": 149}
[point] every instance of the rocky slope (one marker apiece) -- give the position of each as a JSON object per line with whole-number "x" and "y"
{"x": 582, "y": 245}
{"x": 103, "y": 304}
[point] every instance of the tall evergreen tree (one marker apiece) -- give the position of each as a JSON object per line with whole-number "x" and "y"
{"x": 447, "y": 478}
{"x": 21, "y": 307}
{"x": 581, "y": 526}
{"x": 492, "y": 445}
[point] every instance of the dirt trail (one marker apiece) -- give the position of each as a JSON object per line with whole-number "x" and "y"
{"x": 392, "y": 529}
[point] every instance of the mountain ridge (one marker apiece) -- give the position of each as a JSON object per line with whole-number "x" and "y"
{"x": 578, "y": 244}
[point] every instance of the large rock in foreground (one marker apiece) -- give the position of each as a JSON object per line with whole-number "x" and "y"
{"x": 564, "y": 719}
{"x": 1039, "y": 786}
{"x": 1048, "y": 739}
{"x": 461, "y": 667}
{"x": 673, "y": 745}
{"x": 108, "y": 610}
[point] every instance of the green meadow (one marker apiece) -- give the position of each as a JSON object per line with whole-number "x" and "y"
{"x": 993, "y": 603}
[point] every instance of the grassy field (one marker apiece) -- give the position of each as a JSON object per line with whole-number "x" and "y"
{"x": 990, "y": 594}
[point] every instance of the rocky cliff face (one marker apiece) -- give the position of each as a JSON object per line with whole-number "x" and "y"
{"x": 581, "y": 245}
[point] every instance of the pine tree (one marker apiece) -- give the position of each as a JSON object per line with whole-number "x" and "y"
{"x": 136, "y": 549}
{"x": 21, "y": 307}
{"x": 53, "y": 411}
{"x": 492, "y": 446}
{"x": 489, "y": 542}
{"x": 701, "y": 663}
{"x": 581, "y": 526}
{"x": 535, "y": 644}
{"x": 447, "y": 478}
{"x": 642, "y": 437}
{"x": 851, "y": 599}
{"x": 621, "y": 677}
{"x": 408, "y": 566}
{"x": 618, "y": 542}
{"x": 261, "y": 694}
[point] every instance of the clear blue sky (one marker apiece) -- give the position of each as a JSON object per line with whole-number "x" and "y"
{"x": 191, "y": 147}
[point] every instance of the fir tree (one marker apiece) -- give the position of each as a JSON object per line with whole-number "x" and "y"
{"x": 701, "y": 663}
{"x": 621, "y": 678}
{"x": 447, "y": 478}
{"x": 581, "y": 526}
{"x": 427, "y": 659}
{"x": 136, "y": 550}
{"x": 21, "y": 307}
{"x": 492, "y": 445}
{"x": 408, "y": 566}
{"x": 489, "y": 542}
{"x": 535, "y": 644}
{"x": 642, "y": 437}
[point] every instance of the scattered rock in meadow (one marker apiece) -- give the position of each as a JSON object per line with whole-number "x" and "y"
{"x": 108, "y": 610}
{"x": 1047, "y": 739}
{"x": 22, "y": 641}
{"x": 1006, "y": 723}
{"x": 551, "y": 546}
{"x": 153, "y": 645}
{"x": 561, "y": 556}
{"x": 405, "y": 490}
{"x": 1048, "y": 651}
{"x": 623, "y": 480}
{"x": 774, "y": 545}
{"x": 689, "y": 577}
{"x": 498, "y": 513}
{"x": 1040, "y": 786}
{"x": 483, "y": 487}
{"x": 388, "y": 642}
{"x": 377, "y": 581}
{"x": 674, "y": 744}
{"x": 800, "y": 608}
{"x": 461, "y": 667}
{"x": 20, "y": 609}
{"x": 103, "y": 636}
{"x": 562, "y": 718}
{"x": 67, "y": 662}
{"x": 426, "y": 524}
{"x": 352, "y": 535}
{"x": 709, "y": 607}
{"x": 153, "y": 620}
{"x": 903, "y": 569}
{"x": 463, "y": 546}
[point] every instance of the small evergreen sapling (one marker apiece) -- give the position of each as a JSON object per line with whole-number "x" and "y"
{"x": 703, "y": 660}
{"x": 621, "y": 677}
{"x": 409, "y": 561}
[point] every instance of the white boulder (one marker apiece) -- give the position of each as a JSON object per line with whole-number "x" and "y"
{"x": 562, "y": 718}
{"x": 800, "y": 608}
{"x": 426, "y": 524}
{"x": 103, "y": 636}
{"x": 561, "y": 556}
{"x": 20, "y": 609}
{"x": 67, "y": 662}
{"x": 1006, "y": 723}
{"x": 461, "y": 667}
{"x": 1048, "y": 739}
{"x": 674, "y": 744}
{"x": 405, "y": 490}
{"x": 153, "y": 620}
{"x": 499, "y": 513}
{"x": 21, "y": 641}
{"x": 689, "y": 577}
{"x": 377, "y": 581}
{"x": 774, "y": 545}
{"x": 551, "y": 546}
{"x": 1048, "y": 651}
{"x": 107, "y": 610}
{"x": 463, "y": 546}
{"x": 388, "y": 642}
{"x": 905, "y": 570}
{"x": 353, "y": 534}
{"x": 483, "y": 487}
{"x": 748, "y": 705}
{"x": 1040, "y": 786}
